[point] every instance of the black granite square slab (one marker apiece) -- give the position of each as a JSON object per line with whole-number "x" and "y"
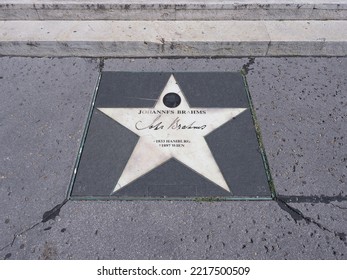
{"x": 108, "y": 145}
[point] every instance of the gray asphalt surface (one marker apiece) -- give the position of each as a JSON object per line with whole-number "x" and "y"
{"x": 301, "y": 106}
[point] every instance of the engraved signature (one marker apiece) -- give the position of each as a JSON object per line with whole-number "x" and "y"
{"x": 175, "y": 125}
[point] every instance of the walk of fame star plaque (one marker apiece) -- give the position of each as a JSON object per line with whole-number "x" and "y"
{"x": 171, "y": 135}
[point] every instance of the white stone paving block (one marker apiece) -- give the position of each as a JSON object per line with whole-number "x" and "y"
{"x": 173, "y": 38}
{"x": 173, "y": 9}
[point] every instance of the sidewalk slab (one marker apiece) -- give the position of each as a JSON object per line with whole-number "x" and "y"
{"x": 173, "y": 38}
{"x": 173, "y": 10}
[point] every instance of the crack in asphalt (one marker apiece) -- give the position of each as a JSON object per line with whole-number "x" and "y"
{"x": 340, "y": 207}
{"x": 298, "y": 215}
{"x": 313, "y": 198}
{"x": 246, "y": 66}
{"x": 53, "y": 213}
{"x": 101, "y": 64}
{"x": 48, "y": 215}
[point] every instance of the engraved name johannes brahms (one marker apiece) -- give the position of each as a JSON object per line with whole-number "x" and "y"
{"x": 175, "y": 124}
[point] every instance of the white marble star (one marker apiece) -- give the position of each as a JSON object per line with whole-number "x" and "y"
{"x": 167, "y": 133}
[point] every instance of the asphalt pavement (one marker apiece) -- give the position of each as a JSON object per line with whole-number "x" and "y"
{"x": 301, "y": 107}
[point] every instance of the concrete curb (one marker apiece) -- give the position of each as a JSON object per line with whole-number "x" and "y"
{"x": 173, "y": 38}
{"x": 173, "y": 10}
